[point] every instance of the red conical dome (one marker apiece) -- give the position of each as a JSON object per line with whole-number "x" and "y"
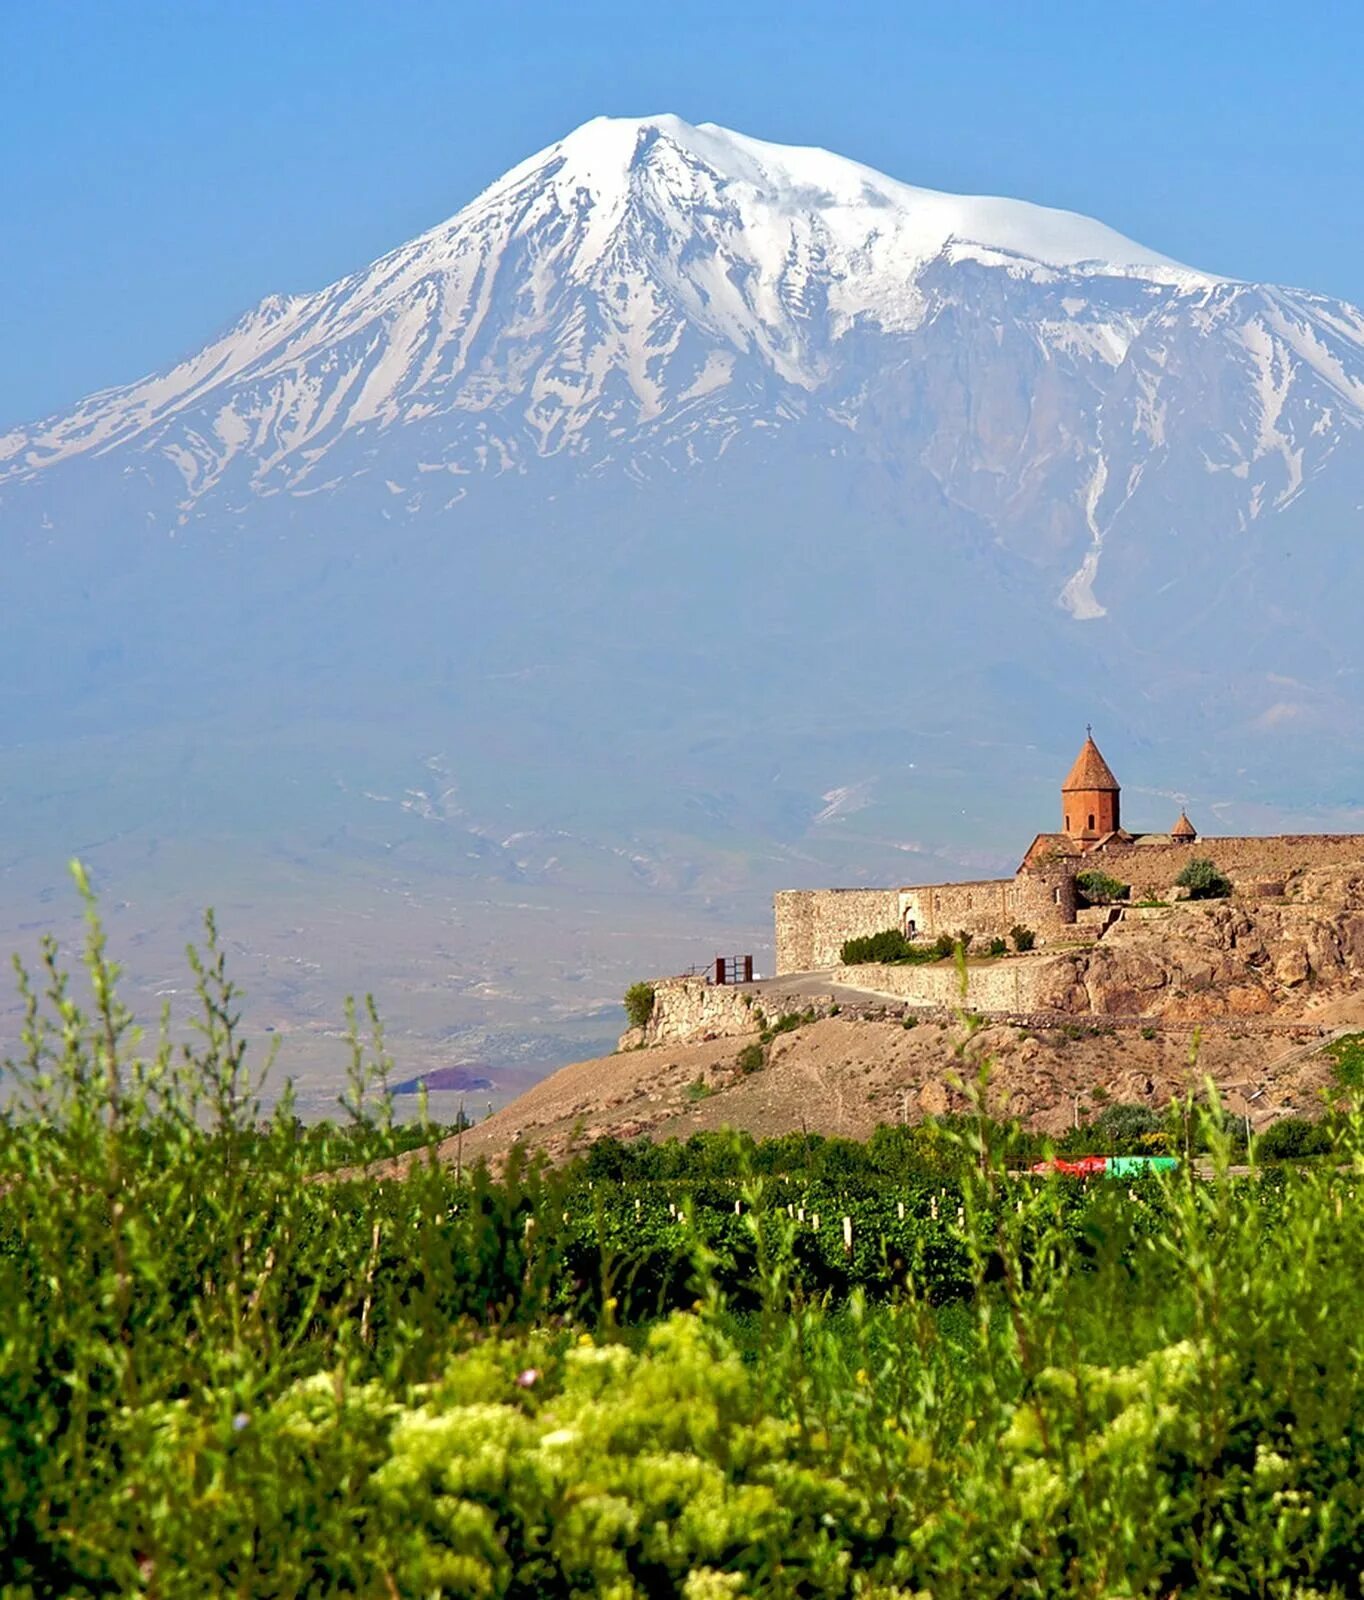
{"x": 1089, "y": 796}
{"x": 1091, "y": 771}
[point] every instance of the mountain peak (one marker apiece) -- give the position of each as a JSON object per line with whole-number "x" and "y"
{"x": 863, "y": 208}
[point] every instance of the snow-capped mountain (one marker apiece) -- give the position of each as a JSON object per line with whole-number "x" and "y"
{"x": 702, "y": 500}
{"x": 645, "y": 293}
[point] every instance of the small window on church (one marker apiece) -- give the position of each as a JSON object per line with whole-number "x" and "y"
{"x": 1067, "y": 821}
{"x": 1091, "y": 821}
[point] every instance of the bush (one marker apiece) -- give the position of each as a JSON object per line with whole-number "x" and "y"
{"x": 1204, "y": 881}
{"x": 639, "y": 1004}
{"x": 1098, "y": 889}
{"x": 752, "y": 1058}
{"x": 1291, "y": 1138}
{"x": 1126, "y": 1130}
{"x": 999, "y": 947}
{"x": 1347, "y": 1054}
{"x": 889, "y": 945}
{"x": 1023, "y": 938}
{"x": 788, "y": 1022}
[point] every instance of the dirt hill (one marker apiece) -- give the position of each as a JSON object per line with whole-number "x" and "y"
{"x": 843, "y": 1076}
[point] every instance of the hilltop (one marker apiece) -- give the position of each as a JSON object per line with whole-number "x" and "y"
{"x": 844, "y": 1076}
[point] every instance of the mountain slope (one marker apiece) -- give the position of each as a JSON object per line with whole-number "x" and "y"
{"x": 714, "y": 515}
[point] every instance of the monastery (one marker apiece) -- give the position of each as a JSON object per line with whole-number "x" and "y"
{"x": 812, "y": 924}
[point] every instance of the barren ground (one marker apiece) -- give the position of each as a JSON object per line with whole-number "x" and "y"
{"x": 842, "y": 1076}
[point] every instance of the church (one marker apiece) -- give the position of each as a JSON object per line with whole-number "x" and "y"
{"x": 1043, "y": 897}
{"x": 1091, "y": 814}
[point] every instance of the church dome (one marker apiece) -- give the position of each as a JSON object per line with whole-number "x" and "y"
{"x": 1090, "y": 772}
{"x": 1184, "y": 829}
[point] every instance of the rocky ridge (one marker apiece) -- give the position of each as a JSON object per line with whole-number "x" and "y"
{"x": 1288, "y": 955}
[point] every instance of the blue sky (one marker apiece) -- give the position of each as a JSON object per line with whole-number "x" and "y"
{"x": 166, "y": 165}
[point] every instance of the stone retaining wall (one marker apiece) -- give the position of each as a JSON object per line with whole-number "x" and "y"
{"x": 1011, "y": 984}
{"x": 691, "y": 1008}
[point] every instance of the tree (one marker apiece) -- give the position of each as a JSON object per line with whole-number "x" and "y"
{"x": 1098, "y": 889}
{"x": 1023, "y": 938}
{"x": 639, "y": 1004}
{"x": 1204, "y": 880}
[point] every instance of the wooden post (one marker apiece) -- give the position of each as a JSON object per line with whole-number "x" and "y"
{"x": 847, "y": 1235}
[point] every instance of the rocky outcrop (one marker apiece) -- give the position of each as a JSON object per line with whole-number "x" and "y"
{"x": 1226, "y": 958}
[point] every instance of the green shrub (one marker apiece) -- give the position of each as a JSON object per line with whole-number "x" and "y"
{"x": 639, "y": 1004}
{"x": 752, "y": 1058}
{"x": 1124, "y": 1130}
{"x": 999, "y": 947}
{"x": 1347, "y": 1056}
{"x": 889, "y": 945}
{"x": 1292, "y": 1138}
{"x": 1204, "y": 880}
{"x": 1098, "y": 889}
{"x": 788, "y": 1022}
{"x": 1024, "y": 938}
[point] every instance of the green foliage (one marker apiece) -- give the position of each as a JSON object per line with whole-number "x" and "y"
{"x": 788, "y": 1022}
{"x": 639, "y": 1004}
{"x": 1347, "y": 1057}
{"x": 1204, "y": 880}
{"x": 1120, "y": 1129}
{"x": 889, "y": 945}
{"x": 1024, "y": 938}
{"x": 752, "y": 1058}
{"x": 998, "y": 946}
{"x": 664, "y": 1372}
{"x": 1292, "y": 1138}
{"x": 1098, "y": 889}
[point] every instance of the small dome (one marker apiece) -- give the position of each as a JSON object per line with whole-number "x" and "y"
{"x": 1183, "y": 829}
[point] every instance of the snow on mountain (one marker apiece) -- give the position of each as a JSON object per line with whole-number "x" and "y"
{"x": 644, "y": 296}
{"x": 644, "y": 292}
{"x": 614, "y": 252}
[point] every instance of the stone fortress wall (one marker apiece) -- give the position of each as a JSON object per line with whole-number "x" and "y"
{"x": 1250, "y": 863}
{"x": 812, "y": 924}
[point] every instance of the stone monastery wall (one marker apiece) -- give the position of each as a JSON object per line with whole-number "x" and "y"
{"x": 1247, "y": 862}
{"x": 812, "y": 924}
